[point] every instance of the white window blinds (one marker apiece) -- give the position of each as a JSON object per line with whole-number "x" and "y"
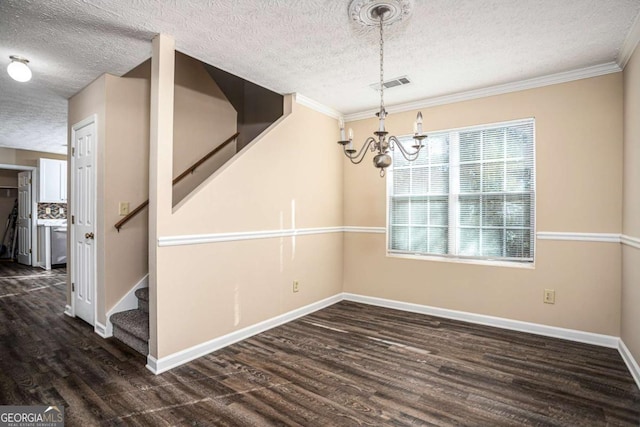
{"x": 471, "y": 194}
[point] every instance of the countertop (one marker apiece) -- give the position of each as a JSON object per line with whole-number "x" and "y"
{"x": 52, "y": 222}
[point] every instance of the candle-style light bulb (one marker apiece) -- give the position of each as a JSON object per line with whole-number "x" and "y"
{"x": 419, "y": 123}
{"x": 382, "y": 114}
{"x": 341, "y": 126}
{"x": 350, "y": 146}
{"x": 415, "y": 128}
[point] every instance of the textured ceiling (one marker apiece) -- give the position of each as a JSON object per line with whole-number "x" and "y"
{"x": 305, "y": 46}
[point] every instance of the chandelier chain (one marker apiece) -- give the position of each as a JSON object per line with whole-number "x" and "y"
{"x": 381, "y": 64}
{"x": 382, "y": 144}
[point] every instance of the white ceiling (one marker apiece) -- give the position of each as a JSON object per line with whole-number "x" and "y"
{"x": 305, "y": 46}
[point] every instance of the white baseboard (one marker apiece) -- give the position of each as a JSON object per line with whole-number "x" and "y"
{"x": 100, "y": 329}
{"x": 158, "y": 366}
{"x": 499, "y": 322}
{"x": 128, "y": 302}
{"x": 630, "y": 362}
{"x": 68, "y": 310}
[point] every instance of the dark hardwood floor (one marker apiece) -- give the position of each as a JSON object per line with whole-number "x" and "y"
{"x": 349, "y": 364}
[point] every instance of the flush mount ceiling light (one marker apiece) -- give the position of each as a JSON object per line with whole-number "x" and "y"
{"x": 18, "y": 69}
{"x": 381, "y": 13}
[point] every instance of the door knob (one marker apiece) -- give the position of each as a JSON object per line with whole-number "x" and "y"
{"x": 88, "y": 235}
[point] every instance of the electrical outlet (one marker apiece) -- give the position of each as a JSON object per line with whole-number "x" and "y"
{"x": 61, "y": 211}
{"x": 549, "y": 296}
{"x": 123, "y": 208}
{"x": 47, "y": 211}
{"x": 296, "y": 286}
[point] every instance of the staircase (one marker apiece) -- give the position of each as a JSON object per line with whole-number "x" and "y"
{"x": 132, "y": 326}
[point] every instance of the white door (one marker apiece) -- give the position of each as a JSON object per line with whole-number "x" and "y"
{"x": 83, "y": 219}
{"x": 24, "y": 218}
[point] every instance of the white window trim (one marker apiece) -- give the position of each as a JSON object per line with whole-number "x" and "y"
{"x": 530, "y": 265}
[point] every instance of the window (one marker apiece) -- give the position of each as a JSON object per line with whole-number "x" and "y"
{"x": 470, "y": 194}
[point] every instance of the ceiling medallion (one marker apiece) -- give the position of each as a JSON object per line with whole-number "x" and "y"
{"x": 365, "y": 12}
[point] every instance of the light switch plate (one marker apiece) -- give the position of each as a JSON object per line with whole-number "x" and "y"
{"x": 123, "y": 208}
{"x": 47, "y": 211}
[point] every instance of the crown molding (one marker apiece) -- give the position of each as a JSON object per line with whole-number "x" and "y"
{"x": 315, "y": 105}
{"x": 564, "y": 77}
{"x": 630, "y": 43}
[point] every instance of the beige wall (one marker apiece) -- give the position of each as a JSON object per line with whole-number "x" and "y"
{"x": 7, "y": 156}
{"x": 122, "y": 109}
{"x": 126, "y": 179}
{"x": 160, "y": 189}
{"x": 290, "y": 178}
{"x": 203, "y": 119}
{"x": 630, "y": 320}
{"x": 579, "y": 179}
{"x": 12, "y": 156}
{"x": 8, "y": 178}
{"x": 30, "y": 158}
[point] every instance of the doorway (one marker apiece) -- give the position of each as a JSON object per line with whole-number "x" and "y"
{"x": 17, "y": 219}
{"x": 23, "y": 223}
{"x": 82, "y": 256}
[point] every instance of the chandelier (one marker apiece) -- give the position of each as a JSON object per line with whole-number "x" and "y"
{"x": 381, "y": 13}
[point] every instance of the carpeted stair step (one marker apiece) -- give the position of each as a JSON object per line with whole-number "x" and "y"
{"x": 132, "y": 328}
{"x": 143, "y": 299}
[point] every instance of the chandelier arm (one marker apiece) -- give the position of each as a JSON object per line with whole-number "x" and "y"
{"x": 410, "y": 156}
{"x": 393, "y": 141}
{"x": 359, "y": 157}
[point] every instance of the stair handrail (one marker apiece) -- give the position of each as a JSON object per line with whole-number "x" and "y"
{"x": 191, "y": 169}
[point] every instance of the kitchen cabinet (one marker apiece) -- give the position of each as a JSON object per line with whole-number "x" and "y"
{"x": 52, "y": 181}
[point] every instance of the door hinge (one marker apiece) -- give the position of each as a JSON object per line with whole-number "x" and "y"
{"x": 73, "y": 287}
{"x": 73, "y": 219}
{"x": 29, "y": 180}
{"x": 29, "y": 250}
{"x": 29, "y": 216}
{"x": 73, "y": 151}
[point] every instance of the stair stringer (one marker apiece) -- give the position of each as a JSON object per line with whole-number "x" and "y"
{"x": 128, "y": 302}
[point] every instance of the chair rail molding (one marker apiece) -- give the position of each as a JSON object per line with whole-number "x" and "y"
{"x": 634, "y": 242}
{"x": 196, "y": 239}
{"x": 580, "y": 237}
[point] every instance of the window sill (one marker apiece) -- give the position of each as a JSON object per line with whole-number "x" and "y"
{"x": 488, "y": 263}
